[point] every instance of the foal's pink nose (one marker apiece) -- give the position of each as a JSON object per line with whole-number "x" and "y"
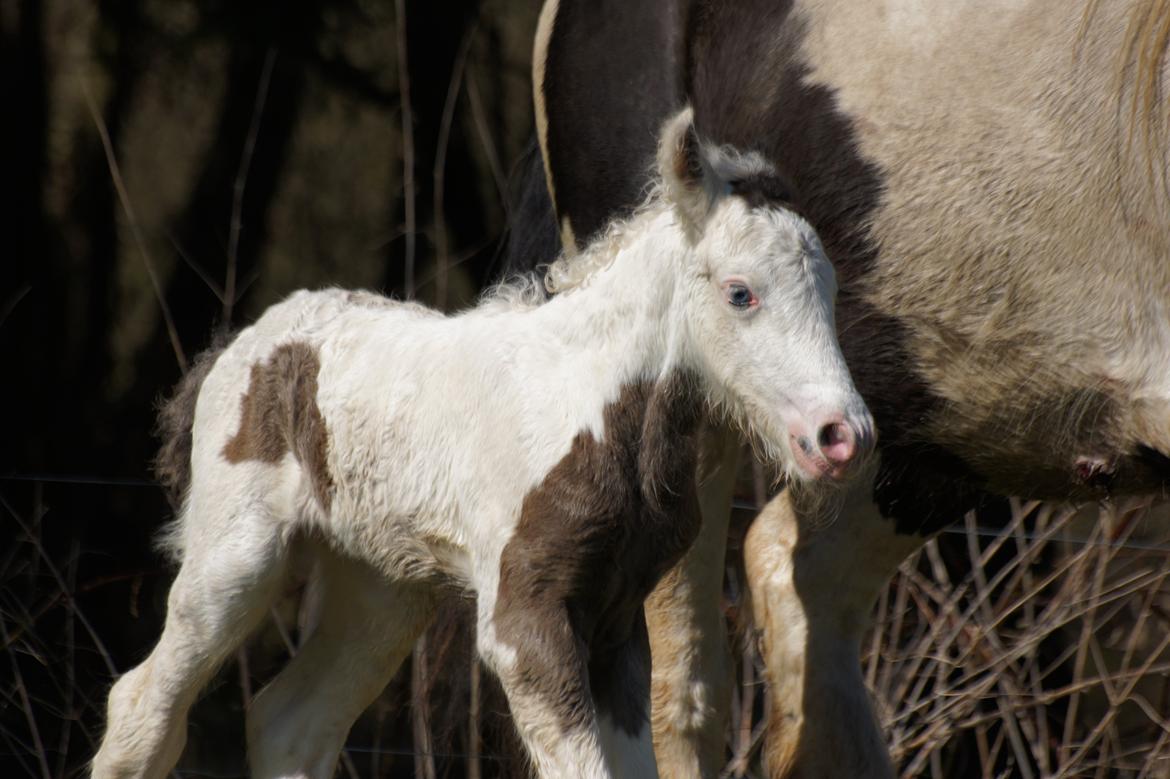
{"x": 837, "y": 442}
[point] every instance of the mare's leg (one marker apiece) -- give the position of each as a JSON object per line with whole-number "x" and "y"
{"x": 540, "y": 661}
{"x": 688, "y": 638}
{"x": 228, "y": 579}
{"x": 298, "y": 724}
{"x": 621, "y": 689}
{"x": 814, "y": 580}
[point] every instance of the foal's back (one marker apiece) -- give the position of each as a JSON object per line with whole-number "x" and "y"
{"x": 405, "y": 435}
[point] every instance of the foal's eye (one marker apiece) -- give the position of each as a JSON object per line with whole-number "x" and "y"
{"x": 739, "y": 295}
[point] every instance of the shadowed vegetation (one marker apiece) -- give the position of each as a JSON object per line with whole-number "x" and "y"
{"x": 171, "y": 168}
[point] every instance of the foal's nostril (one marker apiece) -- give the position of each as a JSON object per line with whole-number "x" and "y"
{"x": 837, "y": 442}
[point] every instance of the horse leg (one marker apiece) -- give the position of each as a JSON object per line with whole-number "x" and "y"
{"x": 226, "y": 582}
{"x": 620, "y": 680}
{"x": 814, "y": 580}
{"x": 540, "y": 661}
{"x": 298, "y": 724}
{"x": 688, "y": 639}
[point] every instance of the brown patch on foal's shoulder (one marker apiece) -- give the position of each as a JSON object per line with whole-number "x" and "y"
{"x": 592, "y": 540}
{"x": 279, "y": 414}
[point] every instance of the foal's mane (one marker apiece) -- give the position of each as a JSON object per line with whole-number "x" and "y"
{"x": 572, "y": 268}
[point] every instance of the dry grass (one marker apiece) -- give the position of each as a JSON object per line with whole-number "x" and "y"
{"x": 1034, "y": 649}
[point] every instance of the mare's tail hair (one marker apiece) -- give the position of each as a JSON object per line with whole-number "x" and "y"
{"x": 532, "y": 238}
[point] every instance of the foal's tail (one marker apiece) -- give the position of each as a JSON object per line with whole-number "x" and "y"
{"x": 176, "y": 417}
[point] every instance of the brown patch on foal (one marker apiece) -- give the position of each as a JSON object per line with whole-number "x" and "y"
{"x": 279, "y": 414}
{"x": 593, "y": 539}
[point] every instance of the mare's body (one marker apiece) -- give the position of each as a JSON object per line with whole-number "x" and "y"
{"x": 990, "y": 181}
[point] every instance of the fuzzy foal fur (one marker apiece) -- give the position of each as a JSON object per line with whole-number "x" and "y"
{"x": 539, "y": 456}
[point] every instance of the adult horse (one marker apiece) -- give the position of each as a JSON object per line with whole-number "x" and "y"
{"x": 990, "y": 180}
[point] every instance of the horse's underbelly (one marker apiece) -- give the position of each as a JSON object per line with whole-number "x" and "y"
{"x": 1033, "y": 412}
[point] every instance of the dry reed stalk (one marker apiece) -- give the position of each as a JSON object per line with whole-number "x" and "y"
{"x": 994, "y": 656}
{"x": 409, "y": 229}
{"x": 439, "y": 171}
{"x": 424, "y": 759}
{"x": 132, "y": 221}
{"x": 229, "y": 284}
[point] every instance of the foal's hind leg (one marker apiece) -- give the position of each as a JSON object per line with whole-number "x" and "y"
{"x": 298, "y": 724}
{"x": 224, "y": 586}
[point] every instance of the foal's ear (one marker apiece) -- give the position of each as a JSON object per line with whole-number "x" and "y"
{"x": 683, "y": 172}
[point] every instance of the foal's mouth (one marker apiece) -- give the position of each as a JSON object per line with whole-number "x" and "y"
{"x": 812, "y": 463}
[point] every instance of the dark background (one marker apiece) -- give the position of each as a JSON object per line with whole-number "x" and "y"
{"x": 256, "y": 147}
{"x": 260, "y": 148}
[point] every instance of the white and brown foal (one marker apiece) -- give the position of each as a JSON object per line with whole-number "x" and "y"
{"x": 537, "y": 455}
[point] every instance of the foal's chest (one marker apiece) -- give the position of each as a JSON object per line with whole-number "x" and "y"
{"x": 614, "y": 514}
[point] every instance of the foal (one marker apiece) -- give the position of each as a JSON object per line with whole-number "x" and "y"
{"x": 537, "y": 455}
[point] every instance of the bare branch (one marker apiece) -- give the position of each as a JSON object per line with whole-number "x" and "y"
{"x": 26, "y": 705}
{"x": 132, "y": 220}
{"x": 489, "y": 144}
{"x": 440, "y": 168}
{"x": 229, "y": 284}
{"x": 407, "y": 145}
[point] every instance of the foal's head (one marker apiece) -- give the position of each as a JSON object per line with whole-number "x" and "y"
{"x": 759, "y": 294}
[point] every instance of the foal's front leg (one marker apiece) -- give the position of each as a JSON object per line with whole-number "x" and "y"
{"x": 620, "y": 681}
{"x": 531, "y": 646}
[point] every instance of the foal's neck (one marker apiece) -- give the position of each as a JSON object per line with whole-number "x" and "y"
{"x": 629, "y": 312}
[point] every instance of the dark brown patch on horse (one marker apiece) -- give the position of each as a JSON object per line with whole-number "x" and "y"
{"x": 176, "y": 417}
{"x": 279, "y": 414}
{"x": 593, "y": 539}
{"x": 767, "y": 190}
{"x": 760, "y": 83}
{"x": 532, "y": 236}
{"x": 1017, "y": 423}
{"x": 601, "y": 142}
{"x": 620, "y": 681}
{"x": 606, "y": 154}
{"x": 1158, "y": 464}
